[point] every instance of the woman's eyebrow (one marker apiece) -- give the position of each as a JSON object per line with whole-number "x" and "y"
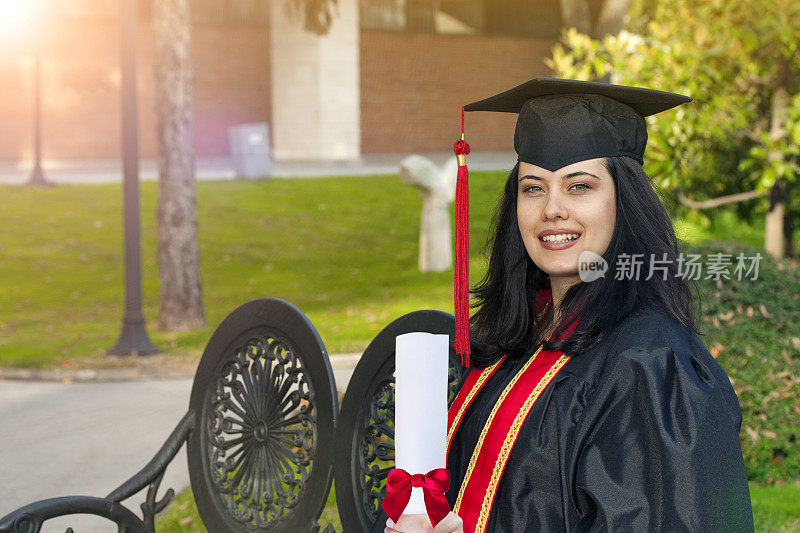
{"x": 570, "y": 175}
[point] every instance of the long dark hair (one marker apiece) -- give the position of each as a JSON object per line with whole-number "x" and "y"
{"x": 505, "y": 322}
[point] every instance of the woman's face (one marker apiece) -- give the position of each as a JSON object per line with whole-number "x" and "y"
{"x": 576, "y": 199}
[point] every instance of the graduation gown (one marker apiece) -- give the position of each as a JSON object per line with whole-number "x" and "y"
{"x": 638, "y": 434}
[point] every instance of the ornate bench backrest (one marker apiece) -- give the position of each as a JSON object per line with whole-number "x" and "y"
{"x": 265, "y": 405}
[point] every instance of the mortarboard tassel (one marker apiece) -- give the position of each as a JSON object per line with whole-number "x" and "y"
{"x": 461, "y": 288}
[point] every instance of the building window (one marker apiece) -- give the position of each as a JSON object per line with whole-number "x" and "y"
{"x": 85, "y": 9}
{"x": 460, "y": 16}
{"x": 230, "y": 12}
{"x": 383, "y": 15}
{"x": 203, "y": 12}
{"x": 523, "y": 18}
{"x": 425, "y": 16}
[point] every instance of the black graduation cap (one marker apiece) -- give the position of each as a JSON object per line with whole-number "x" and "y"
{"x": 565, "y": 121}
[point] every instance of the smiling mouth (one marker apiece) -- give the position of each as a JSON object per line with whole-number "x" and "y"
{"x": 548, "y": 239}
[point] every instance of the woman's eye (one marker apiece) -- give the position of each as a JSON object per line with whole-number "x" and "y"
{"x": 585, "y": 187}
{"x": 531, "y": 188}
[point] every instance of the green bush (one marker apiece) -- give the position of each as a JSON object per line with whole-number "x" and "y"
{"x": 752, "y": 328}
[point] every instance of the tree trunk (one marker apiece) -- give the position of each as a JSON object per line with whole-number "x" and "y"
{"x": 576, "y": 14}
{"x": 612, "y": 18}
{"x": 181, "y": 303}
{"x": 774, "y": 239}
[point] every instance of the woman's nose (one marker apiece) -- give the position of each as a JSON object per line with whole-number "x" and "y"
{"x": 554, "y": 207}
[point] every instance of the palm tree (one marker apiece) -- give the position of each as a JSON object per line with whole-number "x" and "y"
{"x": 181, "y": 296}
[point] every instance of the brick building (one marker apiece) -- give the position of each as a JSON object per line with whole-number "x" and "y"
{"x": 390, "y": 76}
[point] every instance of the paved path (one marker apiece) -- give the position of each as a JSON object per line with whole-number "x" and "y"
{"x": 86, "y": 438}
{"x": 109, "y": 171}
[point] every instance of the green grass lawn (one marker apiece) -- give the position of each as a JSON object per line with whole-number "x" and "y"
{"x": 350, "y": 265}
{"x": 182, "y": 515}
{"x": 776, "y": 509}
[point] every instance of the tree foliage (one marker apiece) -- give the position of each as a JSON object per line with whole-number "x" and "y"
{"x": 734, "y": 59}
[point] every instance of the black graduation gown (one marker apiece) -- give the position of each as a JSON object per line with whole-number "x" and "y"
{"x": 638, "y": 434}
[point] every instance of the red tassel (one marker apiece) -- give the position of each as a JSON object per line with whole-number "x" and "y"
{"x": 461, "y": 288}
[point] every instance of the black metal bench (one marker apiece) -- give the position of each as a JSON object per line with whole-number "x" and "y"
{"x": 264, "y": 434}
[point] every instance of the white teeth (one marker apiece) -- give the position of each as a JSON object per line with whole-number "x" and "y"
{"x": 564, "y": 237}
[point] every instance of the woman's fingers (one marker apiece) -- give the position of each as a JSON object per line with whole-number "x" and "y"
{"x": 416, "y": 523}
{"x": 451, "y": 523}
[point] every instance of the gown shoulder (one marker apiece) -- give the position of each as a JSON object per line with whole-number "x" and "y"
{"x": 657, "y": 445}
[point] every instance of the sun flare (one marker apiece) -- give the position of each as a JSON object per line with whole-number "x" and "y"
{"x": 17, "y": 17}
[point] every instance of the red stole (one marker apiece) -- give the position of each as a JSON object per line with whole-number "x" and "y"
{"x": 478, "y": 489}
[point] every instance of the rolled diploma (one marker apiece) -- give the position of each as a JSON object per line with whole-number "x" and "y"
{"x": 420, "y": 407}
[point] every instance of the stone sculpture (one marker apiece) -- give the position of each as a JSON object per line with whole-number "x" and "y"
{"x": 438, "y": 188}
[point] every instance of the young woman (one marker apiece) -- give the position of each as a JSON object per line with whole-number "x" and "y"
{"x": 591, "y": 404}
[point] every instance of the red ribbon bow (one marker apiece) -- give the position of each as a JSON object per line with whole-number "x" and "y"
{"x": 434, "y": 484}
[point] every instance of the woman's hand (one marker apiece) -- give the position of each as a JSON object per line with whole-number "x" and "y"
{"x": 420, "y": 523}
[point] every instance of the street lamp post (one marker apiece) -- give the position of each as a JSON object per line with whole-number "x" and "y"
{"x": 133, "y": 339}
{"x": 37, "y": 175}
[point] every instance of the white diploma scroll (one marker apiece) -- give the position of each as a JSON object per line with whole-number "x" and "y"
{"x": 420, "y": 407}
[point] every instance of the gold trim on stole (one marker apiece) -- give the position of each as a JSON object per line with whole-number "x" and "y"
{"x": 485, "y": 429}
{"x": 510, "y": 438}
{"x": 485, "y": 373}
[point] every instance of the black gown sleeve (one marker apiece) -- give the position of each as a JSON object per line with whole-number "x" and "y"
{"x": 657, "y": 448}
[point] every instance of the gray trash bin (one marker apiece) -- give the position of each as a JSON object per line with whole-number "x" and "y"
{"x": 250, "y": 149}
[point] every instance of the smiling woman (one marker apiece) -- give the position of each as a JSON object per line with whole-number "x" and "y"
{"x": 590, "y": 402}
